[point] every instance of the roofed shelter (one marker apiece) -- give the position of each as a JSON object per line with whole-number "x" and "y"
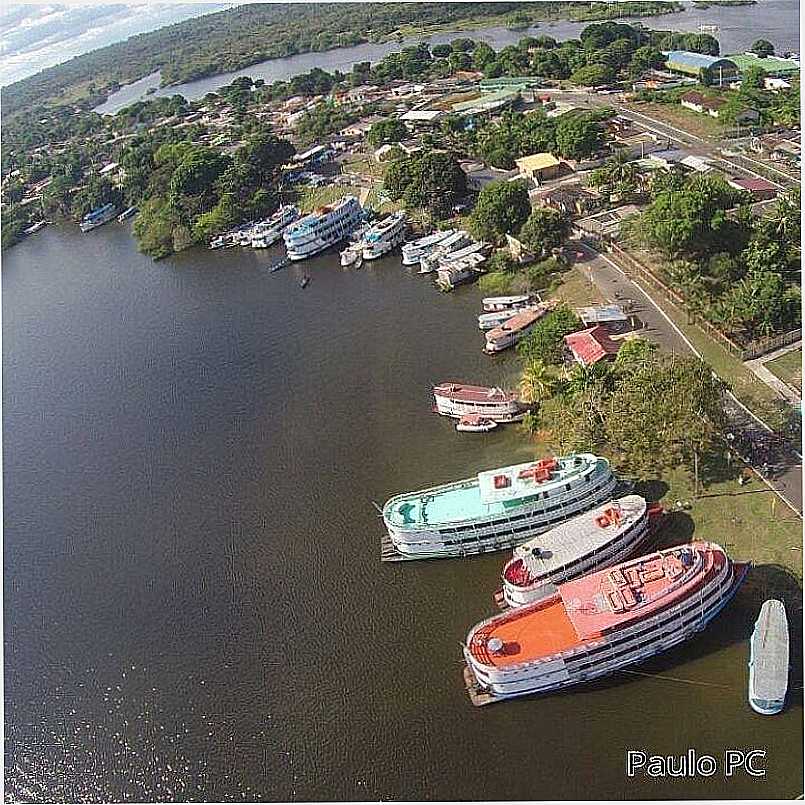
{"x": 715, "y": 69}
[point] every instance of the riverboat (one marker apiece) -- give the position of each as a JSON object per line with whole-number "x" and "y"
{"x": 769, "y": 659}
{"x": 492, "y": 304}
{"x": 323, "y": 228}
{"x": 497, "y": 509}
{"x": 384, "y": 236}
{"x": 430, "y": 262}
{"x": 597, "y": 538}
{"x": 98, "y": 217}
{"x": 600, "y": 623}
{"x": 475, "y": 423}
{"x": 34, "y": 228}
{"x": 457, "y": 272}
{"x": 513, "y": 329}
{"x": 266, "y": 233}
{"x": 126, "y": 214}
{"x": 458, "y": 399}
{"x": 415, "y": 250}
{"x": 488, "y": 321}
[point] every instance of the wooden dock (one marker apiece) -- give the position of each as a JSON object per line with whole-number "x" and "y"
{"x": 477, "y": 696}
{"x": 388, "y": 553}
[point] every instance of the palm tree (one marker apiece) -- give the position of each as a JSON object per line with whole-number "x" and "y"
{"x": 584, "y": 378}
{"x": 537, "y": 381}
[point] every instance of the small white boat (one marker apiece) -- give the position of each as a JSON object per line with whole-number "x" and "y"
{"x": 475, "y": 423}
{"x": 352, "y": 256}
{"x": 415, "y": 250}
{"x": 769, "y": 659}
{"x": 488, "y": 321}
{"x": 127, "y": 213}
{"x": 35, "y": 227}
{"x": 493, "y": 304}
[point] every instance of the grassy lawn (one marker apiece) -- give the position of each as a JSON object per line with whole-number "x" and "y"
{"x": 576, "y": 290}
{"x": 750, "y": 521}
{"x": 675, "y": 115}
{"x": 312, "y": 197}
{"x": 788, "y": 368}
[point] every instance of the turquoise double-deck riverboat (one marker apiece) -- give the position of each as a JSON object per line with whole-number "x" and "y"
{"x": 498, "y": 508}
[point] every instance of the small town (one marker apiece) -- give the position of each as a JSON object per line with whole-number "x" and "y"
{"x": 620, "y": 213}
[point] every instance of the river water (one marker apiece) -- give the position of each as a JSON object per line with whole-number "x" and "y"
{"x": 195, "y": 606}
{"x": 739, "y": 27}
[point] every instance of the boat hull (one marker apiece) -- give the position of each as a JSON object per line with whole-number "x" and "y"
{"x": 629, "y": 649}
{"x": 487, "y": 535}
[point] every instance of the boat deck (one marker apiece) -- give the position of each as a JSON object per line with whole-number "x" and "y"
{"x": 770, "y": 653}
{"x": 526, "y": 634}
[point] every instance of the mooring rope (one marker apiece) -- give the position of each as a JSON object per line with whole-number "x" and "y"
{"x": 677, "y": 679}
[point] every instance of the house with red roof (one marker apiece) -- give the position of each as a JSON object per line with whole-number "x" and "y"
{"x": 590, "y": 346}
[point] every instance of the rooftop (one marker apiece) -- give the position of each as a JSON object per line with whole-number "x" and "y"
{"x": 536, "y": 162}
{"x": 580, "y": 536}
{"x": 591, "y": 346}
{"x": 770, "y": 64}
{"x": 477, "y": 497}
{"x": 698, "y": 60}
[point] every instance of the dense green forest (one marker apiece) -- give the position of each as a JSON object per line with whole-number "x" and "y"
{"x": 239, "y": 37}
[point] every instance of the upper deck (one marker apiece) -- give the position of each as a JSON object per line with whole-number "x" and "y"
{"x": 583, "y": 611}
{"x": 473, "y": 394}
{"x": 567, "y": 542}
{"x": 493, "y": 492}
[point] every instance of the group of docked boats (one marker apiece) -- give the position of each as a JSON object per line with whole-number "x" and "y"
{"x": 452, "y": 255}
{"x": 260, "y": 234}
{"x": 477, "y": 409}
{"x": 102, "y": 215}
{"x": 577, "y": 604}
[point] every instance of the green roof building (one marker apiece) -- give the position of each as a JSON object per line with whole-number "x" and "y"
{"x": 771, "y": 66}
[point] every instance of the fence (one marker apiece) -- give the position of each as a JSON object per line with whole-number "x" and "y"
{"x": 745, "y": 352}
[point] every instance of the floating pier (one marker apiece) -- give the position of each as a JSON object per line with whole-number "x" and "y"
{"x": 388, "y": 553}
{"x": 477, "y": 696}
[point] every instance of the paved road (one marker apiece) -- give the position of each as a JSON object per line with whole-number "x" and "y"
{"x": 751, "y": 438}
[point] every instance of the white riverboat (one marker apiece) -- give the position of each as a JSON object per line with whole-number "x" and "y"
{"x": 513, "y": 329}
{"x": 384, "y": 236}
{"x": 488, "y": 321}
{"x": 769, "y": 659}
{"x": 459, "y": 399}
{"x": 267, "y": 233}
{"x": 597, "y": 624}
{"x": 498, "y": 508}
{"x": 415, "y": 250}
{"x": 458, "y": 240}
{"x": 493, "y": 304}
{"x": 98, "y": 217}
{"x": 323, "y": 228}
{"x": 457, "y": 272}
{"x": 597, "y": 538}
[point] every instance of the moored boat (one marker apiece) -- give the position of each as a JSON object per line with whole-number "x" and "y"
{"x": 384, "y": 236}
{"x": 599, "y": 623}
{"x": 460, "y": 271}
{"x": 496, "y": 509}
{"x": 266, "y": 233}
{"x": 34, "y": 228}
{"x": 488, "y": 321}
{"x": 352, "y": 255}
{"x": 513, "y": 329}
{"x": 459, "y": 399}
{"x": 769, "y": 659}
{"x": 492, "y": 304}
{"x": 415, "y": 250}
{"x": 430, "y": 262}
{"x": 597, "y": 538}
{"x": 126, "y": 214}
{"x": 98, "y": 217}
{"x": 475, "y": 423}
{"x": 323, "y": 228}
